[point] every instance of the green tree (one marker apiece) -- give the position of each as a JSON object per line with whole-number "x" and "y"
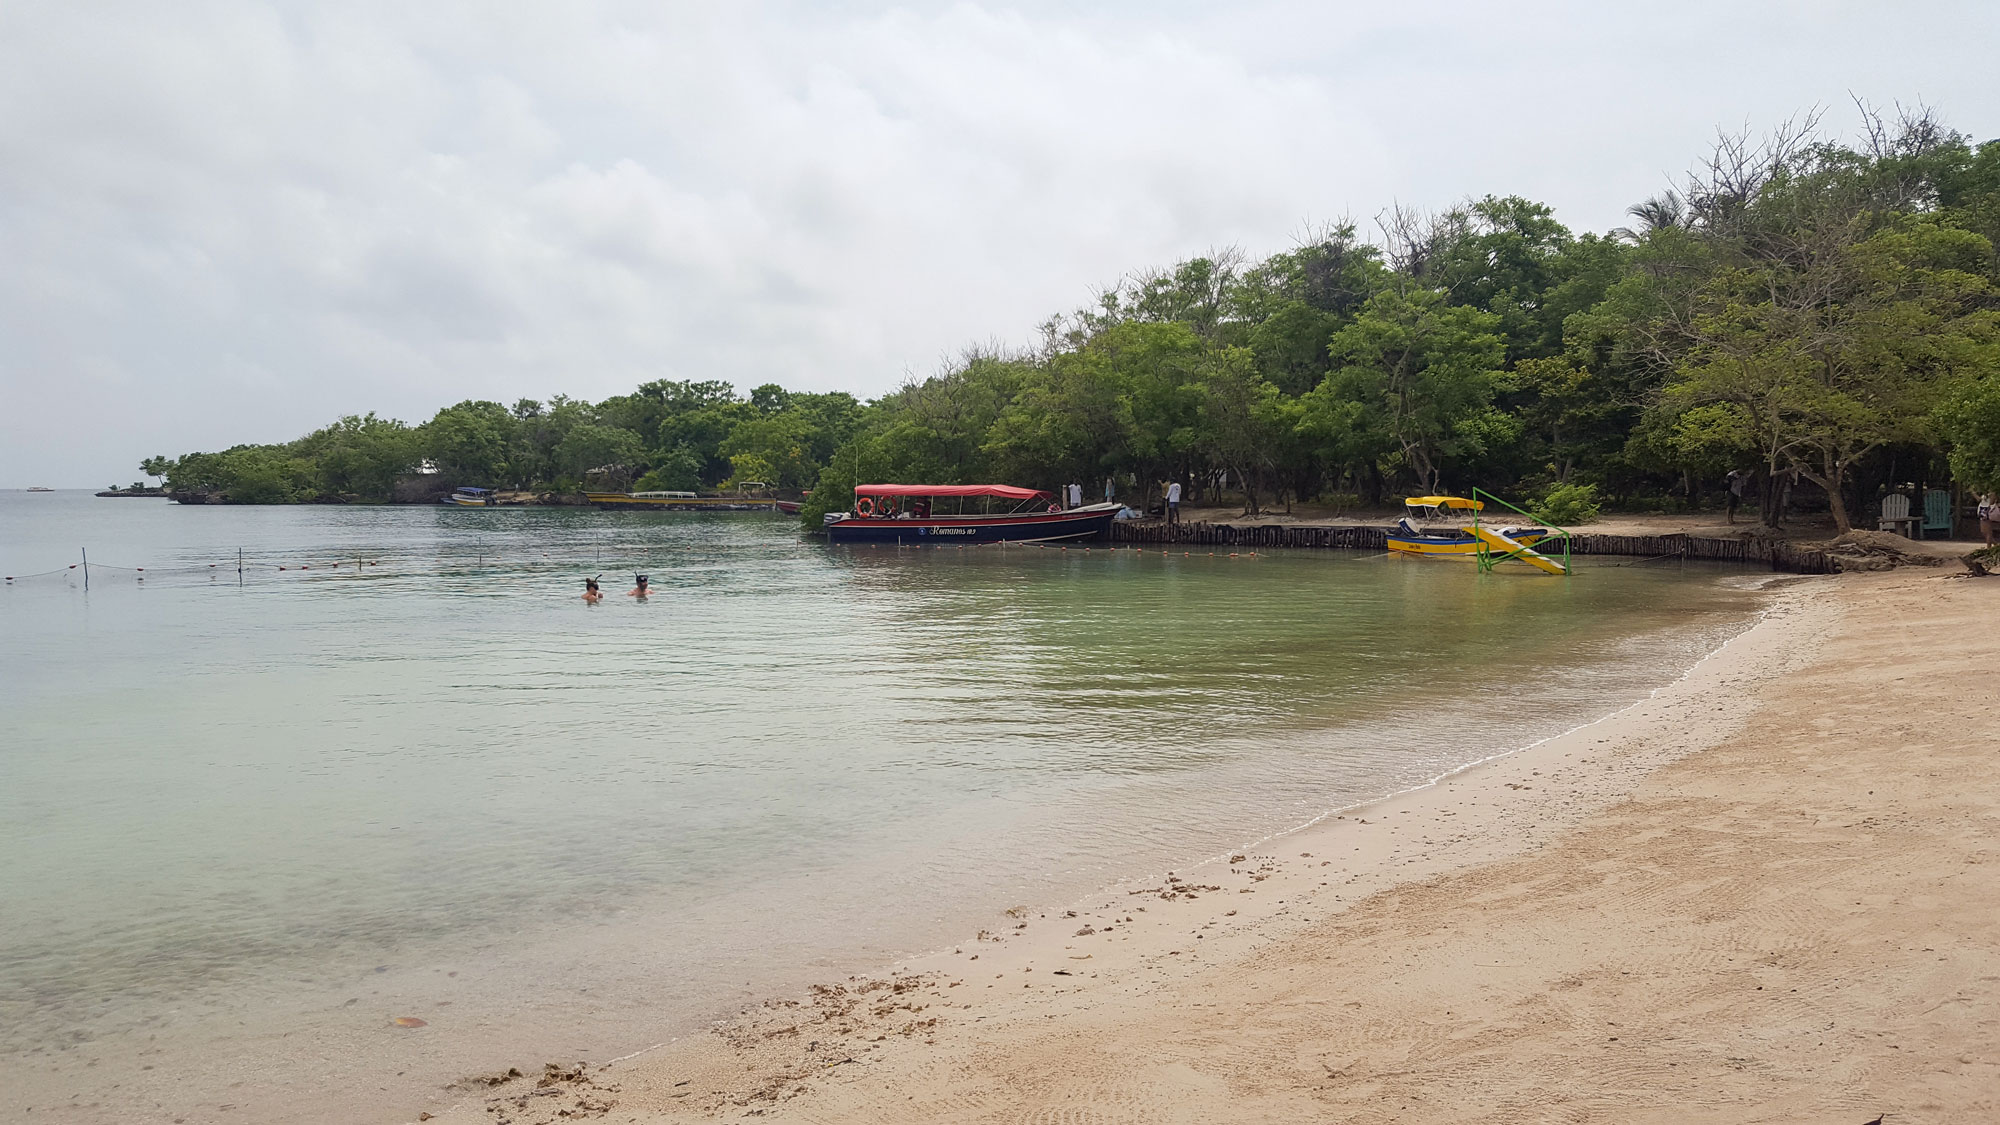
{"x": 776, "y": 448}
{"x": 359, "y": 456}
{"x": 589, "y": 445}
{"x": 470, "y": 443}
{"x": 674, "y": 470}
{"x": 1968, "y": 418}
{"x": 1243, "y": 418}
{"x": 1427, "y": 371}
{"x": 1827, "y": 360}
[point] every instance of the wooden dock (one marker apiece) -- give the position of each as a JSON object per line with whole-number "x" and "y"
{"x": 1775, "y": 554}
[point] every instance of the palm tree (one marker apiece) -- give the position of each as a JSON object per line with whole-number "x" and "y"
{"x": 1658, "y": 213}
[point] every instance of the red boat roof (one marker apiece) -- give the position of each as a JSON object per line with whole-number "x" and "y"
{"x": 1008, "y": 491}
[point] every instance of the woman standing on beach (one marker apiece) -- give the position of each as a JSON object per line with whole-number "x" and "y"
{"x": 1989, "y": 516}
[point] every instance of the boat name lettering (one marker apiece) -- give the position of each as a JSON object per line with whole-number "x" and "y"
{"x": 947, "y": 531}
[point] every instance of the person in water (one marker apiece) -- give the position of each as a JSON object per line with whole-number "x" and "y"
{"x": 591, "y": 593}
{"x": 638, "y": 589}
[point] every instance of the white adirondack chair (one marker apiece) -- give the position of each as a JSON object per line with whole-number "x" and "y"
{"x": 1896, "y": 516}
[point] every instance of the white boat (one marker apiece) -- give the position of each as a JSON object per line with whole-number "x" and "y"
{"x": 472, "y": 498}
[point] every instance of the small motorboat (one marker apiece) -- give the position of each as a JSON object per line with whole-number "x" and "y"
{"x": 1450, "y": 525}
{"x": 472, "y": 498}
{"x": 912, "y": 515}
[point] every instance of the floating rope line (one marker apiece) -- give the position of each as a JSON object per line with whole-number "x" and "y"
{"x": 42, "y": 573}
{"x": 531, "y": 560}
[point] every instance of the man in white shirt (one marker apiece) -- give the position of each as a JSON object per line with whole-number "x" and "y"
{"x": 1075, "y": 495}
{"x": 1173, "y": 503}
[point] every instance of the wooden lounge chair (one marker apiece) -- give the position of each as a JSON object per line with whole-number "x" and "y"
{"x": 1896, "y": 516}
{"x": 1937, "y": 512}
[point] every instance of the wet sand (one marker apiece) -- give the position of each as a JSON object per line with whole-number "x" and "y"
{"x": 1771, "y": 892}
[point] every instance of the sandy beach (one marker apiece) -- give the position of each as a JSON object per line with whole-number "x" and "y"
{"x": 1767, "y": 893}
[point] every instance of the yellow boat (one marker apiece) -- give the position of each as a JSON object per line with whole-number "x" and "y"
{"x": 1449, "y": 525}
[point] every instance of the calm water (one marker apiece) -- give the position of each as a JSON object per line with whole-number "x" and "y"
{"x": 245, "y": 825}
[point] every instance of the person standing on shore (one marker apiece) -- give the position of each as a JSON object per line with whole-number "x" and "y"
{"x": 1737, "y": 480}
{"x": 1173, "y": 503}
{"x": 1989, "y": 516}
{"x": 1075, "y": 495}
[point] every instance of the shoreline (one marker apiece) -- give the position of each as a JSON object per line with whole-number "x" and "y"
{"x": 1112, "y": 959}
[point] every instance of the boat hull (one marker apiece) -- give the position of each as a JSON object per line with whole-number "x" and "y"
{"x": 1079, "y": 524}
{"x": 1462, "y": 545}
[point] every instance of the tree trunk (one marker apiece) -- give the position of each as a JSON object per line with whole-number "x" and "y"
{"x": 1420, "y": 461}
{"x": 1249, "y": 491}
{"x": 1832, "y": 479}
{"x": 1838, "y": 504}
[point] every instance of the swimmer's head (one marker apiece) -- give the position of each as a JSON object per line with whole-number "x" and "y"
{"x": 639, "y": 580}
{"x": 590, "y": 583}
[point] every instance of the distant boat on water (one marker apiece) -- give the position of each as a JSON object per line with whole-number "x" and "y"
{"x": 908, "y": 514}
{"x": 472, "y": 498}
{"x": 39, "y": 488}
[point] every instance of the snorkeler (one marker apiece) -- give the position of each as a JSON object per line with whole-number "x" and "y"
{"x": 638, "y": 589}
{"x": 591, "y": 593}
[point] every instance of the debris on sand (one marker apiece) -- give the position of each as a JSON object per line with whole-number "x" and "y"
{"x": 1877, "y": 550}
{"x": 551, "y": 1099}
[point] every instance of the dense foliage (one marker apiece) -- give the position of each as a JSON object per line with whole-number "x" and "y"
{"x": 1807, "y": 313}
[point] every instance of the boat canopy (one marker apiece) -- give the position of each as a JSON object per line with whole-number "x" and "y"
{"x": 1444, "y": 502}
{"x": 473, "y": 491}
{"x": 1006, "y": 491}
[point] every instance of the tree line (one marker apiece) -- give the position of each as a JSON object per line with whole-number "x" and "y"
{"x": 1809, "y": 313}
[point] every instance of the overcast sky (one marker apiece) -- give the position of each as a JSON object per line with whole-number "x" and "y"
{"x": 233, "y": 222}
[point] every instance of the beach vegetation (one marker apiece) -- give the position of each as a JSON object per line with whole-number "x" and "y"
{"x": 1568, "y": 504}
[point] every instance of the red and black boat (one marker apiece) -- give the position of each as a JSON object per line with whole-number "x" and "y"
{"x": 920, "y": 515}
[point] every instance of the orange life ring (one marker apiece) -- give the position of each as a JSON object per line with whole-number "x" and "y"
{"x": 865, "y": 506}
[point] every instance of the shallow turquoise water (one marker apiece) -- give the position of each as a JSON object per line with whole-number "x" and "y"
{"x": 245, "y": 823}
